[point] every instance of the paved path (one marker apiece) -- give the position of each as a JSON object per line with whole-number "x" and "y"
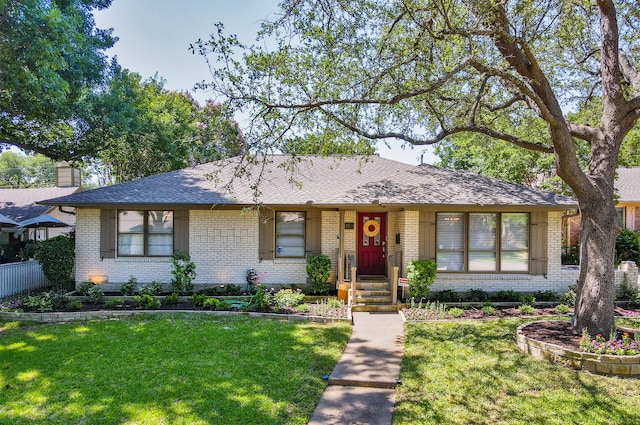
{"x": 362, "y": 386}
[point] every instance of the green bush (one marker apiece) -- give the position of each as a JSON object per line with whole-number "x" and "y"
{"x": 129, "y": 287}
{"x": 420, "y": 276}
{"x": 527, "y": 309}
{"x": 184, "y": 272}
{"x": 146, "y": 301}
{"x": 56, "y": 256}
{"x": 303, "y": 308}
{"x": 74, "y": 305}
{"x": 171, "y": 298}
{"x": 287, "y": 298}
{"x": 84, "y": 287}
{"x": 628, "y": 246}
{"x": 447, "y": 295}
{"x": 528, "y": 299}
{"x": 95, "y": 294}
{"x": 456, "y": 312}
{"x": 487, "y": 310}
{"x": 509, "y": 296}
{"x": 477, "y": 295}
{"x": 113, "y": 303}
{"x": 198, "y": 300}
{"x": 562, "y": 309}
{"x": 211, "y": 304}
{"x": 569, "y": 297}
{"x": 545, "y": 296}
{"x": 153, "y": 288}
{"x": 319, "y": 271}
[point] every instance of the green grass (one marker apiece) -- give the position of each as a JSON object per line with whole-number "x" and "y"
{"x": 472, "y": 373}
{"x": 173, "y": 369}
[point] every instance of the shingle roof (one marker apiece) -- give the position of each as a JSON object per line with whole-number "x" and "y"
{"x": 628, "y": 184}
{"x": 20, "y": 204}
{"x": 317, "y": 180}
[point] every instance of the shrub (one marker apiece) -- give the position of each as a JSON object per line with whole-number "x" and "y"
{"x": 487, "y": 310}
{"x": 59, "y": 299}
{"x": 287, "y": 298}
{"x": 527, "y": 309}
{"x": 129, "y": 287}
{"x": 303, "y": 308}
{"x": 231, "y": 290}
{"x": 569, "y": 297}
{"x": 628, "y": 246}
{"x": 318, "y": 271}
{"x": 420, "y": 276}
{"x": 562, "y": 309}
{"x": 184, "y": 272}
{"x": 198, "y": 300}
{"x": 39, "y": 303}
{"x": 171, "y": 298}
{"x": 83, "y": 287}
{"x": 477, "y": 295}
{"x": 95, "y": 294}
{"x": 509, "y": 296}
{"x": 447, "y": 295}
{"x": 113, "y": 303}
{"x": 74, "y": 305}
{"x": 261, "y": 300}
{"x": 545, "y": 296}
{"x": 153, "y": 288}
{"x": 528, "y": 299}
{"x": 456, "y": 312}
{"x": 211, "y": 304}
{"x": 56, "y": 256}
{"x": 146, "y": 301}
{"x": 335, "y": 303}
{"x": 628, "y": 289}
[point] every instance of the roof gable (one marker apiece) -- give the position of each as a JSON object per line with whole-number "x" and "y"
{"x": 287, "y": 180}
{"x": 21, "y": 204}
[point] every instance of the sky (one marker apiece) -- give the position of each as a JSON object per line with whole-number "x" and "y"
{"x": 154, "y": 38}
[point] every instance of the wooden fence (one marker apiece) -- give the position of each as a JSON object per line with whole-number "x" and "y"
{"x": 21, "y": 277}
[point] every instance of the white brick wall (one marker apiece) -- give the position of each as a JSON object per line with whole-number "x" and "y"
{"x": 330, "y": 238}
{"x": 410, "y": 236}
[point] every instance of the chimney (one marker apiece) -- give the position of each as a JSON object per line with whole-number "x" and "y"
{"x": 67, "y": 176}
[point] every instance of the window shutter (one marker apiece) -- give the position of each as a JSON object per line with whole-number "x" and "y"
{"x": 107, "y": 233}
{"x": 266, "y": 234}
{"x": 427, "y": 235}
{"x": 539, "y": 231}
{"x": 181, "y": 231}
{"x": 313, "y": 232}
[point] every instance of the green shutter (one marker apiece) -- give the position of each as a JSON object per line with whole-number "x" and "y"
{"x": 181, "y": 231}
{"x": 427, "y": 235}
{"x": 266, "y": 234}
{"x": 538, "y": 243}
{"x": 107, "y": 233}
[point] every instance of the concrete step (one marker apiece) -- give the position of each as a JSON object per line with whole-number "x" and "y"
{"x": 370, "y": 286}
{"x": 373, "y": 293}
{"x": 374, "y": 307}
{"x": 373, "y": 300}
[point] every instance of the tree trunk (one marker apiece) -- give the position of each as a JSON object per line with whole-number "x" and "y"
{"x": 596, "y": 286}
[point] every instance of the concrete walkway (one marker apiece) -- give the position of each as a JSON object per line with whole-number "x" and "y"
{"x": 362, "y": 386}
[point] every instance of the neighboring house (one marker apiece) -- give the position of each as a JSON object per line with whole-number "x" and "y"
{"x": 368, "y": 213}
{"x": 627, "y": 186}
{"x": 22, "y": 204}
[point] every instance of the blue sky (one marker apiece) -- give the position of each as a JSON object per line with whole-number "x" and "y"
{"x": 154, "y": 36}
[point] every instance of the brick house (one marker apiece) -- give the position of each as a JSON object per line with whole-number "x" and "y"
{"x": 370, "y": 215}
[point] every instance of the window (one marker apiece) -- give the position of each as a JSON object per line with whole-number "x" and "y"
{"x": 290, "y": 233}
{"x": 482, "y": 242}
{"x": 145, "y": 233}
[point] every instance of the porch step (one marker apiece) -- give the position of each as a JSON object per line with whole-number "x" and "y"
{"x": 373, "y": 293}
{"x": 374, "y": 307}
{"x": 373, "y": 299}
{"x": 372, "y": 286}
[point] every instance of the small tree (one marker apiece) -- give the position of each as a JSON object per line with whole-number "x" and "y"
{"x": 56, "y": 257}
{"x": 318, "y": 272}
{"x": 184, "y": 271}
{"x": 420, "y": 275}
{"x": 628, "y": 246}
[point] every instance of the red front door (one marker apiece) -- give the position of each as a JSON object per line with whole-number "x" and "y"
{"x": 372, "y": 243}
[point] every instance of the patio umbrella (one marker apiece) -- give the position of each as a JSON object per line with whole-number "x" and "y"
{"x": 44, "y": 220}
{"x": 7, "y": 222}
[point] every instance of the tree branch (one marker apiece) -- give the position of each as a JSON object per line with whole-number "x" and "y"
{"x": 629, "y": 72}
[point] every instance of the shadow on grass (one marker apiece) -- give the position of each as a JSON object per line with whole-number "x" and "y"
{"x": 472, "y": 372}
{"x": 174, "y": 369}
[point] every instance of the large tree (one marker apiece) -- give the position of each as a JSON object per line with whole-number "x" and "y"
{"x": 141, "y": 129}
{"x": 422, "y": 70}
{"x": 51, "y": 54}
{"x": 26, "y": 170}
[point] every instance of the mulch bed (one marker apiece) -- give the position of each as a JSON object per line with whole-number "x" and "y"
{"x": 553, "y": 332}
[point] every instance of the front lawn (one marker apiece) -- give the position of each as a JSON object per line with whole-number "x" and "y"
{"x": 168, "y": 369}
{"x": 471, "y": 372}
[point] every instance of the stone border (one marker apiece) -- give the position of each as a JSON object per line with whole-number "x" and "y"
{"x": 601, "y": 364}
{"x": 78, "y": 316}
